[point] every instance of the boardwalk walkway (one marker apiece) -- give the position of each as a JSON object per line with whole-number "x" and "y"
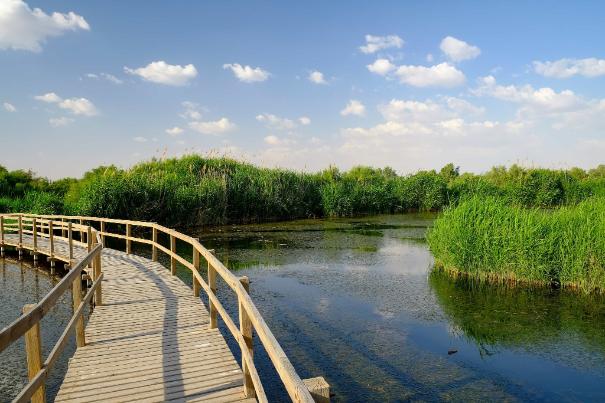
{"x": 149, "y": 341}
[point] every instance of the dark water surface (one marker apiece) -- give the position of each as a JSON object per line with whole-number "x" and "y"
{"x": 355, "y": 301}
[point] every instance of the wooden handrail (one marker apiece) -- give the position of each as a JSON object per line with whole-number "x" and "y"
{"x": 296, "y": 388}
{"x": 29, "y": 323}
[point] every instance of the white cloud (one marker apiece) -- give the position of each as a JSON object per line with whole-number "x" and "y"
{"x": 271, "y": 139}
{"x": 276, "y": 122}
{"x": 354, "y": 107}
{"x": 163, "y": 73}
{"x": 9, "y": 107}
{"x": 49, "y": 97}
{"x": 278, "y": 141}
{"x": 440, "y": 75}
{"x": 317, "y": 77}
{"x": 60, "y": 122}
{"x": 174, "y": 131}
{"x": 463, "y": 106}
{"x": 381, "y": 67}
{"x": 192, "y": 111}
{"x": 140, "y": 139}
{"x": 26, "y": 29}
{"x": 458, "y": 50}
{"x": 247, "y": 74}
{"x": 77, "y": 106}
{"x": 304, "y": 120}
{"x": 564, "y": 68}
{"x": 106, "y": 76}
{"x": 542, "y": 99}
{"x": 376, "y": 43}
{"x": 220, "y": 126}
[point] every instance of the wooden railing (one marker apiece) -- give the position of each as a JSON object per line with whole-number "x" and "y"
{"x": 250, "y": 319}
{"x": 29, "y": 323}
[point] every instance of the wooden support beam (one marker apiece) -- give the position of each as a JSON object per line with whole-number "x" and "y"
{"x": 172, "y": 258}
{"x": 103, "y": 233}
{"x": 319, "y": 388}
{"x": 245, "y": 326}
{"x": 128, "y": 241}
{"x": 211, "y": 307}
{"x": 77, "y": 299}
{"x": 196, "y": 265}
{"x": 70, "y": 235}
{"x": 154, "y": 248}
{"x": 33, "y": 350}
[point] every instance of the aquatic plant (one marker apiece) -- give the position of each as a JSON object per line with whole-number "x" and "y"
{"x": 488, "y": 238}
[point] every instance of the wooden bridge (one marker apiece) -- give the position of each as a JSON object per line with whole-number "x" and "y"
{"x": 149, "y": 337}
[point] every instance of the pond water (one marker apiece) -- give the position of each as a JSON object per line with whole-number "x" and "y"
{"x": 355, "y": 301}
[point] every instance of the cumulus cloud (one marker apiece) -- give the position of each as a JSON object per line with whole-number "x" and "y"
{"x": 440, "y": 75}
{"x": 304, "y": 120}
{"x": 376, "y": 43}
{"x": 77, "y": 106}
{"x": 9, "y": 107}
{"x": 541, "y": 99}
{"x": 317, "y": 77}
{"x": 381, "y": 67}
{"x": 25, "y": 29}
{"x": 216, "y": 127}
{"x": 105, "y": 76}
{"x": 60, "y": 122}
{"x": 163, "y": 73}
{"x": 174, "y": 131}
{"x": 192, "y": 111}
{"x": 458, "y": 50}
{"x": 247, "y": 74}
{"x": 565, "y": 68}
{"x": 354, "y": 107}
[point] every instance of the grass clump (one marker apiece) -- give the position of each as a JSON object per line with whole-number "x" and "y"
{"x": 489, "y": 238}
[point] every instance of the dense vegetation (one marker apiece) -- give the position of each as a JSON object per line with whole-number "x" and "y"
{"x": 194, "y": 190}
{"x": 492, "y": 239}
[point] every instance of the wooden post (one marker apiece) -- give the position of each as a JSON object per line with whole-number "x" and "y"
{"x": 77, "y": 299}
{"x": 63, "y": 231}
{"x": 154, "y": 249}
{"x": 96, "y": 270}
{"x": 319, "y": 389}
{"x": 33, "y": 349}
{"x": 245, "y": 327}
{"x": 89, "y": 241}
{"x": 172, "y": 258}
{"x": 70, "y": 235}
{"x": 103, "y": 233}
{"x": 2, "y": 230}
{"x": 212, "y": 285}
{"x": 35, "y": 234}
{"x": 81, "y": 230}
{"x": 52, "y": 242}
{"x": 20, "y": 232}
{"x": 128, "y": 241}
{"x": 196, "y": 265}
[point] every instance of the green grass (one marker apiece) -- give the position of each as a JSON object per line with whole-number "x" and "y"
{"x": 488, "y": 238}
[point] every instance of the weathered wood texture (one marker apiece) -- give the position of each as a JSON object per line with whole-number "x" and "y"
{"x": 149, "y": 341}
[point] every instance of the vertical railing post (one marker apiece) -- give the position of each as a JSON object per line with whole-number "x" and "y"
{"x": 102, "y": 232}
{"x": 212, "y": 285}
{"x": 70, "y": 241}
{"x": 51, "y": 239}
{"x": 63, "y": 231}
{"x": 33, "y": 350}
{"x": 245, "y": 326}
{"x": 128, "y": 241}
{"x": 96, "y": 269}
{"x": 81, "y": 230}
{"x": 77, "y": 299}
{"x": 89, "y": 242}
{"x": 35, "y": 235}
{"x": 196, "y": 266}
{"x": 172, "y": 258}
{"x": 154, "y": 248}
{"x": 1, "y": 230}
{"x": 20, "y": 232}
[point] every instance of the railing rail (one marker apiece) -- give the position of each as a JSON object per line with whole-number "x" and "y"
{"x": 28, "y": 324}
{"x": 250, "y": 319}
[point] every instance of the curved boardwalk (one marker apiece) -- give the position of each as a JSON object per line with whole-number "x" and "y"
{"x": 149, "y": 341}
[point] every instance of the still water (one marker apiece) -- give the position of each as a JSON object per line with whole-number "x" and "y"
{"x": 354, "y": 300}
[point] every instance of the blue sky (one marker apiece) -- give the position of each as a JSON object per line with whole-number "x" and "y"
{"x": 412, "y": 85}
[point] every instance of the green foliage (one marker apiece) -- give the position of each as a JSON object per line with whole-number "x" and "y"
{"x": 489, "y": 238}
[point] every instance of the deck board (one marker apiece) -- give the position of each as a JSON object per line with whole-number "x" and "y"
{"x": 149, "y": 341}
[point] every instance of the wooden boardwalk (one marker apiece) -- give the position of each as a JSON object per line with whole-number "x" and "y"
{"x": 149, "y": 341}
{"x": 149, "y": 337}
